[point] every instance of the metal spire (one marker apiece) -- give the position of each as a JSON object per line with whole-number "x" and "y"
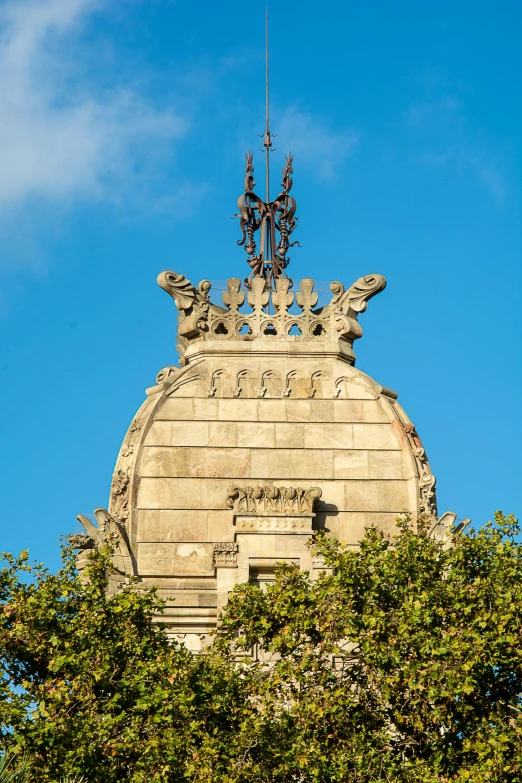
{"x": 269, "y": 216}
{"x": 267, "y": 141}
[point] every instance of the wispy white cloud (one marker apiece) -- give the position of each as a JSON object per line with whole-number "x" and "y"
{"x": 314, "y": 142}
{"x": 64, "y": 138}
{"x": 442, "y": 129}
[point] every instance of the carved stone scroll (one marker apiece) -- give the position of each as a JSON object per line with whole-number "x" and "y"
{"x": 356, "y": 298}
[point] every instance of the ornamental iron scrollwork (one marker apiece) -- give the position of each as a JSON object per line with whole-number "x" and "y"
{"x": 274, "y": 220}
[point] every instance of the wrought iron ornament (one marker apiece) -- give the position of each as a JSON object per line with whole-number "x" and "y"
{"x": 271, "y": 259}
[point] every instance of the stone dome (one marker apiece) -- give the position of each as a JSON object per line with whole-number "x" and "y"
{"x": 265, "y": 433}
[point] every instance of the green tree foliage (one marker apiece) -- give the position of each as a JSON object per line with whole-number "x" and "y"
{"x": 92, "y": 688}
{"x": 402, "y": 663}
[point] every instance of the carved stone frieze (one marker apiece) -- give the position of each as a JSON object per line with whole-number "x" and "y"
{"x": 225, "y": 555}
{"x": 264, "y": 383}
{"x": 269, "y": 317}
{"x": 166, "y": 376}
{"x": 273, "y": 500}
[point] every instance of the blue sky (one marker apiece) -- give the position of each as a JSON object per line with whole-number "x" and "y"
{"x": 122, "y": 131}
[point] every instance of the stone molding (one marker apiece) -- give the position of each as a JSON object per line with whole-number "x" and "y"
{"x": 274, "y": 524}
{"x": 427, "y": 494}
{"x": 269, "y": 317}
{"x": 272, "y": 500}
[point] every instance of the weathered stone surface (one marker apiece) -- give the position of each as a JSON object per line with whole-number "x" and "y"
{"x": 183, "y": 559}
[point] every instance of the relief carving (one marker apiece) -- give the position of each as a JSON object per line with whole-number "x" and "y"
{"x": 297, "y": 386}
{"x": 233, "y": 298}
{"x": 166, "y": 376}
{"x": 218, "y": 384}
{"x": 427, "y": 494}
{"x": 272, "y": 500}
{"x": 225, "y": 555}
{"x": 319, "y": 385}
{"x": 81, "y": 541}
{"x": 245, "y": 384}
{"x": 271, "y": 385}
{"x": 427, "y": 499}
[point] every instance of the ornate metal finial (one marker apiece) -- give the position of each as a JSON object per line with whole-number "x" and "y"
{"x": 271, "y": 260}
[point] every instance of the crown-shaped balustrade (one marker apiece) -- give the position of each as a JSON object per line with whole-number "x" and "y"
{"x": 263, "y": 313}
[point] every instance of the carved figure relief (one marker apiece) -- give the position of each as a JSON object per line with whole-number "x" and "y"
{"x": 272, "y": 500}
{"x": 444, "y": 527}
{"x": 193, "y": 304}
